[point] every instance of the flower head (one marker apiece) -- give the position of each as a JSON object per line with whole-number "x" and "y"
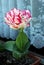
{"x": 18, "y": 18}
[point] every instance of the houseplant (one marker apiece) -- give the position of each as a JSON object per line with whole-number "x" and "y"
{"x": 19, "y": 20}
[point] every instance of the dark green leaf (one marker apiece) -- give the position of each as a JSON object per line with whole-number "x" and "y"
{"x": 1, "y": 46}
{"x": 16, "y": 52}
{"x": 27, "y": 45}
{"x": 21, "y": 40}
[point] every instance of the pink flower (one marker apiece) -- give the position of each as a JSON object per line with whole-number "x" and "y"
{"x": 18, "y": 18}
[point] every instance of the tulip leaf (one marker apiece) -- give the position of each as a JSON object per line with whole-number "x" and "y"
{"x": 21, "y": 40}
{"x": 17, "y": 54}
{"x": 27, "y": 46}
{"x": 1, "y": 47}
{"x": 9, "y": 45}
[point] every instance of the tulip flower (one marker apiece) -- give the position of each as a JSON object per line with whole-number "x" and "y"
{"x": 17, "y": 19}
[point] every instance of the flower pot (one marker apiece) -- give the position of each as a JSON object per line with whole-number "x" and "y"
{"x": 37, "y": 59}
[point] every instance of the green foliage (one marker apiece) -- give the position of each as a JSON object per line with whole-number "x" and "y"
{"x": 19, "y": 47}
{"x": 18, "y": 54}
{"x": 1, "y": 46}
{"x": 9, "y": 45}
{"x": 21, "y": 40}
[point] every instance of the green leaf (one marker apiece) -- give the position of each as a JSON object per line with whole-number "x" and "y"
{"x": 21, "y": 40}
{"x": 27, "y": 45}
{"x": 1, "y": 46}
{"x": 16, "y": 53}
{"x": 9, "y": 45}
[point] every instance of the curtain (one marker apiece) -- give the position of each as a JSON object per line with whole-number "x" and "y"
{"x": 5, "y": 31}
{"x": 37, "y": 26}
{"x": 36, "y": 30}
